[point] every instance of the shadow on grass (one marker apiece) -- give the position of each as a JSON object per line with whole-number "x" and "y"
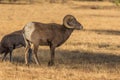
{"x": 94, "y": 7}
{"x": 106, "y": 32}
{"x": 71, "y": 58}
{"x": 77, "y": 57}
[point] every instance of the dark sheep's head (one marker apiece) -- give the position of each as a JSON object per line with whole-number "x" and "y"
{"x": 70, "y": 21}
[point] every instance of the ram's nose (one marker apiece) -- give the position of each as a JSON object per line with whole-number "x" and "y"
{"x": 80, "y": 27}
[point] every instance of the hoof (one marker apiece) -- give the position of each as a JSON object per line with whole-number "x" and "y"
{"x": 27, "y": 65}
{"x": 39, "y": 64}
{"x": 50, "y": 63}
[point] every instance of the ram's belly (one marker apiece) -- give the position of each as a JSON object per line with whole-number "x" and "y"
{"x": 43, "y": 42}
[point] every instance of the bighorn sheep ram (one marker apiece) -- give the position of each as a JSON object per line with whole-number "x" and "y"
{"x": 51, "y": 34}
{"x": 10, "y": 42}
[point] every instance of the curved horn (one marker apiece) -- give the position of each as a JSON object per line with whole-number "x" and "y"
{"x": 66, "y": 18}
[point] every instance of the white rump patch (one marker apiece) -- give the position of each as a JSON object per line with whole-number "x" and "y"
{"x": 28, "y": 30}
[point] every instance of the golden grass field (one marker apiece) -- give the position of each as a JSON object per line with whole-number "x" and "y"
{"x": 89, "y": 54}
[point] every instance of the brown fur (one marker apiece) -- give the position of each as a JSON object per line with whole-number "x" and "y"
{"x": 52, "y": 35}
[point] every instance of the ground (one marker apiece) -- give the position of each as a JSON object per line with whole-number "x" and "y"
{"x": 89, "y": 54}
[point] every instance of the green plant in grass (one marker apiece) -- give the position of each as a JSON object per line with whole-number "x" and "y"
{"x": 117, "y": 2}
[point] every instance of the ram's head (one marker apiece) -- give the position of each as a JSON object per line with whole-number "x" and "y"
{"x": 70, "y": 21}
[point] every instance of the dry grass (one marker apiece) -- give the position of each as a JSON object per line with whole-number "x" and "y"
{"x": 91, "y": 54}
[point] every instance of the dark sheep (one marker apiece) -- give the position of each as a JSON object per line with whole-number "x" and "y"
{"x": 10, "y": 42}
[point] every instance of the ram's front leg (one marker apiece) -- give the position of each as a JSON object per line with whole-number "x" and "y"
{"x": 52, "y": 52}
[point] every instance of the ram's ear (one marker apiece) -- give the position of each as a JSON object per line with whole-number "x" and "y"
{"x": 66, "y": 20}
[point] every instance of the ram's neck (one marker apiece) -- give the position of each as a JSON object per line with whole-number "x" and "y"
{"x": 67, "y": 33}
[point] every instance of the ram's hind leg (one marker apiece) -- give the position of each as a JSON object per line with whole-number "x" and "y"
{"x": 26, "y": 52}
{"x": 35, "y": 49}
